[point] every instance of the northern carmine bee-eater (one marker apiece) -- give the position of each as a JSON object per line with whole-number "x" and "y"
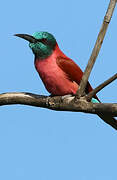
{"x": 60, "y": 75}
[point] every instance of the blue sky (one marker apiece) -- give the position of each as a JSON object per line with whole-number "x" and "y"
{"x": 40, "y": 144}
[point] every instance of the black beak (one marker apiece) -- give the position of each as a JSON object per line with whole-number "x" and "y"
{"x": 27, "y": 37}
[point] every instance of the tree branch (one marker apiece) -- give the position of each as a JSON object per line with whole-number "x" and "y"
{"x": 100, "y": 87}
{"x": 58, "y": 103}
{"x": 96, "y": 48}
{"x": 74, "y": 103}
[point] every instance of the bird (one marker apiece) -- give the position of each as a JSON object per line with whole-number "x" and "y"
{"x": 60, "y": 75}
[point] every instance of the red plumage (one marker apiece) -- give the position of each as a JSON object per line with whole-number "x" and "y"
{"x": 60, "y": 74}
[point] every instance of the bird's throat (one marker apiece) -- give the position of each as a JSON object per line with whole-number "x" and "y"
{"x": 42, "y": 52}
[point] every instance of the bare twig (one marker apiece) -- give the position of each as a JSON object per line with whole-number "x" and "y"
{"x": 96, "y": 48}
{"x": 100, "y": 87}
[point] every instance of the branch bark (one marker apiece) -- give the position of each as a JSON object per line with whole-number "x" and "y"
{"x": 96, "y": 48}
{"x": 58, "y": 103}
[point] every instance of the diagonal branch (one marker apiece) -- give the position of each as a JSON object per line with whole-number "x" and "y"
{"x": 96, "y": 48}
{"x": 100, "y": 87}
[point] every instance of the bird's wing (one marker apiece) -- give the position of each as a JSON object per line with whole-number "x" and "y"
{"x": 74, "y": 73}
{"x": 72, "y": 70}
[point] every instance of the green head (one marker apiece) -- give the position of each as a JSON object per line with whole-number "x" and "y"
{"x": 41, "y": 43}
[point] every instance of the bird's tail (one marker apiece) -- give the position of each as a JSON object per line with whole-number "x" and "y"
{"x": 105, "y": 117}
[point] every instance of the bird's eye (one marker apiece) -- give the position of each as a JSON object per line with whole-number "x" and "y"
{"x": 44, "y": 40}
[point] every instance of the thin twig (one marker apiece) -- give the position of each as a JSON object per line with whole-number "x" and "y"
{"x": 100, "y": 87}
{"x": 96, "y": 48}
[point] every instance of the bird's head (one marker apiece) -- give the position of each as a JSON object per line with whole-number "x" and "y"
{"x": 41, "y": 43}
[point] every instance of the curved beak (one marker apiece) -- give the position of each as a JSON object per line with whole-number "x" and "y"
{"x": 27, "y": 37}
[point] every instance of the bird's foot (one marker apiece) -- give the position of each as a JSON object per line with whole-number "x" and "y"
{"x": 66, "y": 96}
